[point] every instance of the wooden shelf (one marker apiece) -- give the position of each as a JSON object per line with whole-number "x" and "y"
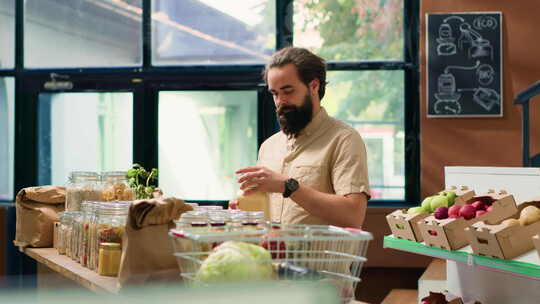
{"x": 73, "y": 270}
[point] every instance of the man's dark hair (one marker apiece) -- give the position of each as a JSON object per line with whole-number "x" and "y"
{"x": 309, "y": 65}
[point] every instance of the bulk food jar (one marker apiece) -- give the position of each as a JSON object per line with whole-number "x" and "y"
{"x": 88, "y": 212}
{"x": 110, "y": 225}
{"x": 65, "y": 224}
{"x": 82, "y": 186}
{"x": 115, "y": 187}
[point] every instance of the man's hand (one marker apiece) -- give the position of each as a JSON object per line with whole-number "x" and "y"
{"x": 260, "y": 178}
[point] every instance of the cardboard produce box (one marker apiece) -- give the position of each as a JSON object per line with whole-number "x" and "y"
{"x": 505, "y": 239}
{"x": 450, "y": 234}
{"x": 405, "y": 226}
{"x": 536, "y": 242}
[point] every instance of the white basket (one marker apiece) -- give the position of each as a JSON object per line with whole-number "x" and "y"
{"x": 334, "y": 253}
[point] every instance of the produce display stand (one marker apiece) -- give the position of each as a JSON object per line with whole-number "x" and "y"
{"x": 481, "y": 278}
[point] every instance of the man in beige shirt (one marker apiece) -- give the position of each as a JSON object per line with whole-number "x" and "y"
{"x": 315, "y": 168}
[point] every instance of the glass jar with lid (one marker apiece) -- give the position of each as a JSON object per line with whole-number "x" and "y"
{"x": 65, "y": 224}
{"x": 88, "y": 211}
{"x": 253, "y": 220}
{"x": 110, "y": 224}
{"x": 82, "y": 186}
{"x": 76, "y": 227}
{"x": 193, "y": 220}
{"x": 109, "y": 259}
{"x": 218, "y": 221}
{"x": 115, "y": 187}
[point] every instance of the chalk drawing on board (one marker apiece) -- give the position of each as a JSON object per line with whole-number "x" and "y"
{"x": 485, "y": 74}
{"x": 476, "y": 45}
{"x": 447, "y": 95}
{"x": 446, "y": 45}
{"x": 485, "y": 97}
{"x": 485, "y": 22}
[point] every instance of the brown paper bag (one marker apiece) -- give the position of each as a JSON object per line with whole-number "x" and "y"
{"x": 37, "y": 209}
{"x": 147, "y": 253}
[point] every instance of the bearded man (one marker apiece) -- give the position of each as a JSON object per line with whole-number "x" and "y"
{"x": 315, "y": 168}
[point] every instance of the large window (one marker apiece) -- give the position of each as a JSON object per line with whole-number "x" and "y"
{"x": 102, "y": 84}
{"x": 213, "y": 31}
{"x": 83, "y": 132}
{"x": 7, "y": 34}
{"x": 373, "y": 103}
{"x": 7, "y": 124}
{"x": 82, "y": 33}
{"x": 354, "y": 35}
{"x": 203, "y": 138}
{"x": 350, "y": 30}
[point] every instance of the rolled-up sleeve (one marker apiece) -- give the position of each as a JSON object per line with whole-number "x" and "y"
{"x": 350, "y": 171}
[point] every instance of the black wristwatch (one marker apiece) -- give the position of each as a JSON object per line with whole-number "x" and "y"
{"x": 291, "y": 185}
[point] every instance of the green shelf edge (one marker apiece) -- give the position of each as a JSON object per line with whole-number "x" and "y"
{"x": 518, "y": 267}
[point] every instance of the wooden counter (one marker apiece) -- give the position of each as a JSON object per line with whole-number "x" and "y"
{"x": 72, "y": 270}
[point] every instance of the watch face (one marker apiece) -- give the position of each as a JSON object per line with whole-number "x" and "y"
{"x": 290, "y": 186}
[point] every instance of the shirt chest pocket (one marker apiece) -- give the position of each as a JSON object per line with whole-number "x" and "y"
{"x": 312, "y": 176}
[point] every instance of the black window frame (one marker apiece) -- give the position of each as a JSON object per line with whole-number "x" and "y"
{"x": 147, "y": 80}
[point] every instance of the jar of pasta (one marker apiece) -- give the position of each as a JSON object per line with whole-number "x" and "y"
{"x": 115, "y": 187}
{"x": 82, "y": 186}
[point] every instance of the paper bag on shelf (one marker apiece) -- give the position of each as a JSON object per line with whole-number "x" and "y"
{"x": 37, "y": 209}
{"x": 147, "y": 253}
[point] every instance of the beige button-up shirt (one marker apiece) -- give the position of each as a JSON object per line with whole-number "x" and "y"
{"x": 328, "y": 156}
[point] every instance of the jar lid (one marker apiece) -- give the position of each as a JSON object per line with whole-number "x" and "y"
{"x": 114, "y": 175}
{"x": 111, "y": 246}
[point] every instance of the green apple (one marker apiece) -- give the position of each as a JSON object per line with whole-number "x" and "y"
{"x": 426, "y": 204}
{"x": 450, "y": 195}
{"x": 414, "y": 210}
{"x": 438, "y": 201}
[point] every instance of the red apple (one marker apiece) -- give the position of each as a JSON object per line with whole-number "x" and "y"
{"x": 489, "y": 208}
{"x": 454, "y": 216}
{"x": 480, "y": 212}
{"x": 454, "y": 211}
{"x": 441, "y": 213}
{"x": 479, "y": 205}
{"x": 467, "y": 211}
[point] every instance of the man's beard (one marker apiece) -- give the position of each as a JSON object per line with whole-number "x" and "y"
{"x": 296, "y": 119}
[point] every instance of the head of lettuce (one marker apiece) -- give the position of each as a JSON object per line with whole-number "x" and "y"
{"x": 236, "y": 262}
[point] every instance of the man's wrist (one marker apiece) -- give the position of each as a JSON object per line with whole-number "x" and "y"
{"x": 290, "y": 186}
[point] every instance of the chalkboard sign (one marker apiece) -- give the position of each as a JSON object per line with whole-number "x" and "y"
{"x": 464, "y": 65}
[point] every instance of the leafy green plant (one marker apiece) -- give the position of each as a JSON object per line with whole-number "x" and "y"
{"x": 142, "y": 182}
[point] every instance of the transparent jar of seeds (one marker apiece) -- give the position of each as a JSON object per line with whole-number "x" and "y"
{"x": 82, "y": 186}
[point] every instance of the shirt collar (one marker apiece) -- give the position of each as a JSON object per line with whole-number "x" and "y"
{"x": 315, "y": 124}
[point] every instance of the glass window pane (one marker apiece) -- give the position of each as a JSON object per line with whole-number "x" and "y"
{"x": 373, "y": 103}
{"x": 203, "y": 138}
{"x": 7, "y": 131}
{"x": 82, "y": 33}
{"x": 349, "y": 30}
{"x": 212, "y": 32}
{"x": 83, "y": 131}
{"x": 7, "y": 34}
